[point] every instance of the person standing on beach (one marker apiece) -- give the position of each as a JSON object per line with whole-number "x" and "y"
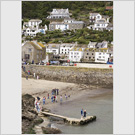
{"x": 84, "y": 114}
{"x": 26, "y": 77}
{"x": 48, "y": 95}
{"x": 57, "y": 91}
{"x": 56, "y": 98}
{"x": 24, "y": 68}
{"x": 28, "y": 72}
{"x": 61, "y": 99}
{"x": 52, "y": 99}
{"x": 34, "y": 75}
{"x": 43, "y": 100}
{"x": 81, "y": 112}
{"x": 37, "y": 77}
{"x": 65, "y": 96}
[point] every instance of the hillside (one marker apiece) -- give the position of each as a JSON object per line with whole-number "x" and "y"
{"x": 80, "y": 11}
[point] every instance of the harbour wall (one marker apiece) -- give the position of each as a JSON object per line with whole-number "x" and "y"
{"x": 90, "y": 76}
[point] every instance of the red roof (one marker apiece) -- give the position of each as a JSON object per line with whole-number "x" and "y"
{"x": 109, "y": 7}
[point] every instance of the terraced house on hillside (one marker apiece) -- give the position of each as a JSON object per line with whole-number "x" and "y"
{"x": 67, "y": 24}
{"x": 89, "y": 55}
{"x": 59, "y": 14}
{"x": 33, "y": 52}
{"x": 76, "y": 54}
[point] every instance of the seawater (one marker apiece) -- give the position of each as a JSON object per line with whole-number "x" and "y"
{"x": 101, "y": 106}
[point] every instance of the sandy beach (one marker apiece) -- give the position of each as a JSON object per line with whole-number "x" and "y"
{"x": 43, "y": 87}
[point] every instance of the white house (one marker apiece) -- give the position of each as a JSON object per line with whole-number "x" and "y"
{"x": 100, "y": 24}
{"x": 66, "y": 47}
{"x": 32, "y": 23}
{"x": 103, "y": 44}
{"x": 52, "y": 48}
{"x": 59, "y": 14}
{"x": 66, "y": 24}
{"x": 94, "y": 16}
{"x": 102, "y": 55}
{"x": 75, "y": 54}
{"x": 92, "y": 44}
{"x": 32, "y": 27}
{"x": 30, "y": 31}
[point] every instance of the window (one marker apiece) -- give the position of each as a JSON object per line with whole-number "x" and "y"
{"x": 87, "y": 53}
{"x": 99, "y": 53}
{"x": 92, "y": 54}
{"x": 103, "y": 56}
{"x": 74, "y": 56}
{"x": 65, "y": 52}
{"x": 99, "y": 56}
{"x": 71, "y": 52}
{"x": 86, "y": 57}
{"x": 89, "y": 57}
{"x": 71, "y": 56}
{"x": 65, "y": 49}
{"x": 62, "y": 49}
{"x": 30, "y": 49}
{"x": 27, "y": 56}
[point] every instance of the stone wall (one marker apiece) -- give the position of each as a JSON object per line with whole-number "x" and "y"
{"x": 89, "y": 76}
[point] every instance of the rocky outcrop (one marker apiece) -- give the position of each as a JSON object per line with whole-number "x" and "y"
{"x": 30, "y": 117}
{"x": 47, "y": 130}
{"x": 89, "y": 76}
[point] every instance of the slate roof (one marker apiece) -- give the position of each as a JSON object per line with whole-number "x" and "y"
{"x": 94, "y": 14}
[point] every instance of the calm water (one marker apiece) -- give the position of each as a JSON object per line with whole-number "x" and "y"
{"x": 101, "y": 106}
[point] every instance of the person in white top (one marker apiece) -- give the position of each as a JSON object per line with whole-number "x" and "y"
{"x": 61, "y": 99}
{"x": 34, "y": 75}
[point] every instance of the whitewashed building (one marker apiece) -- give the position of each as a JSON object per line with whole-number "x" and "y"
{"x": 53, "y": 48}
{"x": 102, "y": 55}
{"x": 30, "y": 31}
{"x": 94, "y": 16}
{"x": 103, "y": 44}
{"x": 31, "y": 28}
{"x": 32, "y": 23}
{"x": 76, "y": 54}
{"x": 59, "y": 14}
{"x": 67, "y": 24}
{"x": 92, "y": 44}
{"x": 65, "y": 49}
{"x": 100, "y": 22}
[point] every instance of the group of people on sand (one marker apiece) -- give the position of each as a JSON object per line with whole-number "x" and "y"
{"x": 83, "y": 113}
{"x": 54, "y": 99}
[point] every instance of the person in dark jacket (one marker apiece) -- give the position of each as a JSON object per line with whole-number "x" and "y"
{"x": 84, "y": 113}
